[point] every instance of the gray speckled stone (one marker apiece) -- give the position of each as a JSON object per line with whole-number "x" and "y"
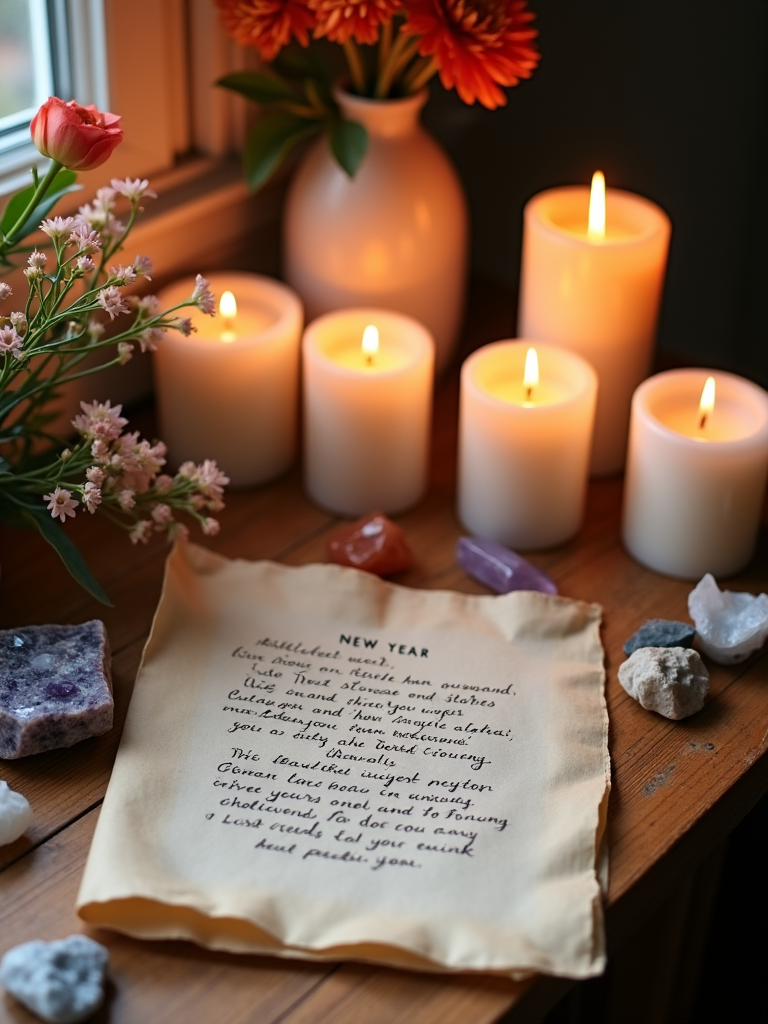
{"x": 661, "y": 633}
{"x": 55, "y": 687}
{"x": 669, "y": 680}
{"x": 62, "y": 982}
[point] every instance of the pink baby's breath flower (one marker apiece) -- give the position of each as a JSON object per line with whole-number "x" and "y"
{"x": 95, "y": 475}
{"x": 163, "y": 483}
{"x": 19, "y": 321}
{"x": 211, "y": 527}
{"x": 146, "y": 305}
{"x": 58, "y": 227}
{"x": 178, "y": 531}
{"x": 105, "y": 197}
{"x": 150, "y": 339}
{"x": 111, "y": 301}
{"x": 141, "y": 531}
{"x": 203, "y": 297}
{"x": 126, "y": 499}
{"x": 5, "y": 291}
{"x": 37, "y": 259}
{"x": 185, "y": 325}
{"x": 101, "y": 421}
{"x": 122, "y": 275}
{"x": 33, "y": 274}
{"x": 93, "y": 218}
{"x": 86, "y": 240}
{"x": 91, "y": 497}
{"x": 134, "y": 190}
{"x": 124, "y": 352}
{"x": 142, "y": 267}
{"x": 61, "y": 503}
{"x": 162, "y": 514}
{"x": 95, "y": 329}
{"x": 85, "y": 264}
{"x": 211, "y": 478}
{"x": 10, "y": 341}
{"x": 99, "y": 450}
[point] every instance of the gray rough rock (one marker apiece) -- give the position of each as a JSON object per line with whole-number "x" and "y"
{"x": 15, "y": 814}
{"x": 61, "y": 982}
{"x": 661, "y": 633}
{"x": 731, "y": 624}
{"x": 670, "y": 680}
{"x": 55, "y": 687}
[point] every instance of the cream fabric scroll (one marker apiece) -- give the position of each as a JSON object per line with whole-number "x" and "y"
{"x": 320, "y": 764}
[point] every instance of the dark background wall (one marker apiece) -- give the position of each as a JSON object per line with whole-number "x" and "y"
{"x": 670, "y": 99}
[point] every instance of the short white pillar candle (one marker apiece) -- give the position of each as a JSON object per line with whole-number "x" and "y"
{"x": 524, "y": 450}
{"x": 597, "y": 294}
{"x": 230, "y": 391}
{"x": 695, "y": 479}
{"x": 367, "y": 414}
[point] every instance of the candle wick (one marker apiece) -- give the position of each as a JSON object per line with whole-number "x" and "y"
{"x": 369, "y": 360}
{"x": 703, "y": 421}
{"x": 528, "y": 393}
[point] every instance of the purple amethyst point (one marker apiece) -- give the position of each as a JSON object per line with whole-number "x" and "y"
{"x": 499, "y": 568}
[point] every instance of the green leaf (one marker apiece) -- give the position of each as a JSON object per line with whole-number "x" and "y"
{"x": 295, "y": 63}
{"x": 67, "y": 551}
{"x": 63, "y": 183}
{"x": 270, "y": 142}
{"x": 259, "y": 88}
{"x": 348, "y": 141}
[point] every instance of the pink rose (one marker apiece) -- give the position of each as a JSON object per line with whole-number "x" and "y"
{"x": 80, "y": 138}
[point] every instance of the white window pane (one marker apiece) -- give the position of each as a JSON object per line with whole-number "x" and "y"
{"x": 25, "y": 60}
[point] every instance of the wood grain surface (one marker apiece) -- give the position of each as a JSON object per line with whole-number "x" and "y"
{"x": 678, "y": 787}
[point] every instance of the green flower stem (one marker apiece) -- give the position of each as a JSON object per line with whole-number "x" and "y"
{"x": 403, "y": 49}
{"x": 37, "y": 195}
{"x": 356, "y": 69}
{"x": 420, "y": 74}
{"x": 385, "y": 43}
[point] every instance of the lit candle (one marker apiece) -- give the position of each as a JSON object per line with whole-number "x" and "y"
{"x": 525, "y": 428}
{"x": 230, "y": 391}
{"x": 367, "y": 410}
{"x": 592, "y": 276}
{"x": 696, "y": 472}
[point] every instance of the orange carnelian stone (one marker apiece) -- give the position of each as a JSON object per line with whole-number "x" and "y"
{"x": 373, "y": 543}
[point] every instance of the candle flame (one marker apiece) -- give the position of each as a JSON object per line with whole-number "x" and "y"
{"x": 530, "y": 373}
{"x": 370, "y": 343}
{"x": 707, "y": 403}
{"x": 228, "y": 306}
{"x": 596, "y": 229}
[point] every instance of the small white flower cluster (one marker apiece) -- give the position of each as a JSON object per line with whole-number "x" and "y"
{"x": 125, "y": 474}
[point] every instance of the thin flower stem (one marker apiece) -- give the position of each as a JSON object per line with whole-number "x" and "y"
{"x": 420, "y": 75}
{"x": 385, "y": 43}
{"x": 37, "y": 195}
{"x": 355, "y": 62}
{"x": 403, "y": 49}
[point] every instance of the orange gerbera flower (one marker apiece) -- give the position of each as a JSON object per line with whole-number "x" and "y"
{"x": 267, "y": 25}
{"x": 477, "y": 45}
{"x": 341, "y": 20}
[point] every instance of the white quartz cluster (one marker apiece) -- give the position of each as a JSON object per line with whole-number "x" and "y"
{"x": 730, "y": 625}
{"x": 670, "y": 680}
{"x": 15, "y": 814}
{"x": 62, "y": 982}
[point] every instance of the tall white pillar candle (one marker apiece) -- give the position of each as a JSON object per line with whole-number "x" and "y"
{"x": 367, "y": 416}
{"x": 230, "y": 391}
{"x": 524, "y": 451}
{"x": 695, "y": 483}
{"x": 598, "y": 296}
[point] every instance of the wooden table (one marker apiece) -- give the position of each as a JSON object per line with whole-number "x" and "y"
{"x": 678, "y": 788}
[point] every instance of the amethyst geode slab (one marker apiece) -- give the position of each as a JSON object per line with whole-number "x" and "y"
{"x": 55, "y": 687}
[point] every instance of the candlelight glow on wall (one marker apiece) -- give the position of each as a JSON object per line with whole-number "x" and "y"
{"x": 596, "y": 224}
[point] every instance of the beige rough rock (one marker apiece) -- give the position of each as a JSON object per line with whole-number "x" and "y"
{"x": 670, "y": 680}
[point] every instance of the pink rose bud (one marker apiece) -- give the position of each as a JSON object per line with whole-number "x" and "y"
{"x": 80, "y": 138}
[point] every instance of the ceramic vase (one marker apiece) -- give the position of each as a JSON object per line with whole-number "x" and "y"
{"x": 393, "y": 237}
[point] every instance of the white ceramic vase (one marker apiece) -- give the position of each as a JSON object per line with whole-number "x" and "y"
{"x": 393, "y": 237}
